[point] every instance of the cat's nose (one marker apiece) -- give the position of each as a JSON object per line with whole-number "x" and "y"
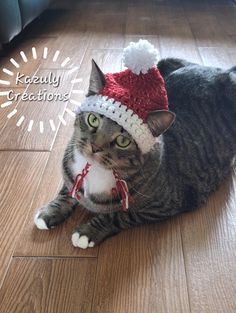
{"x": 95, "y": 148}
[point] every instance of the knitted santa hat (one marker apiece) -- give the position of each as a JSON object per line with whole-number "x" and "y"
{"x": 132, "y": 97}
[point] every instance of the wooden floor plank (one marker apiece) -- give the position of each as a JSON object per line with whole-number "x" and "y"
{"x": 140, "y": 21}
{"x": 209, "y": 244}
{"x": 175, "y": 35}
{"x": 206, "y": 27}
{"x": 142, "y": 270}
{"x": 102, "y": 38}
{"x": 221, "y": 57}
{"x": 20, "y": 173}
{"x": 48, "y": 286}
{"x": 226, "y": 16}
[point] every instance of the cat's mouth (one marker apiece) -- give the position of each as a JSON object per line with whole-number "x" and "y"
{"x": 97, "y": 157}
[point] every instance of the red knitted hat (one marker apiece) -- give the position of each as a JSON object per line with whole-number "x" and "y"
{"x": 129, "y": 96}
{"x": 141, "y": 93}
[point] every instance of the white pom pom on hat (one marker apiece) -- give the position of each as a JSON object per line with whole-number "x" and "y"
{"x": 140, "y": 56}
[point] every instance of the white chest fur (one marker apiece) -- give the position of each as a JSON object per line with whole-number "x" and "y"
{"x": 98, "y": 180}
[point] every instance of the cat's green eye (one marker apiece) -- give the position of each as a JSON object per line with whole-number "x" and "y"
{"x": 122, "y": 141}
{"x": 93, "y": 120}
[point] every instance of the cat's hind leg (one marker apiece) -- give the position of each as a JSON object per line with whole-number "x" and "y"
{"x": 56, "y": 211}
{"x": 169, "y": 65}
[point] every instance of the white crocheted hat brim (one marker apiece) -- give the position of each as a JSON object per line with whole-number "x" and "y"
{"x": 126, "y": 118}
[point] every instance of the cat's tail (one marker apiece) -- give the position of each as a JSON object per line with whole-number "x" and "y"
{"x": 169, "y": 65}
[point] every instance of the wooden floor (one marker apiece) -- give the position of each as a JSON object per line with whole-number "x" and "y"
{"x": 187, "y": 264}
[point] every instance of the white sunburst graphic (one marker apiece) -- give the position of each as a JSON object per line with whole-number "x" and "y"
{"x": 76, "y": 91}
{"x": 30, "y": 124}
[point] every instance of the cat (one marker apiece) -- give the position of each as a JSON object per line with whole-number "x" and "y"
{"x": 190, "y": 158}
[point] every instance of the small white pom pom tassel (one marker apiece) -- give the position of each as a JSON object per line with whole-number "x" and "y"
{"x": 140, "y": 56}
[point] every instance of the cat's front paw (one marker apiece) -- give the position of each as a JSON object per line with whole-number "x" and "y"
{"x": 49, "y": 217}
{"x": 87, "y": 236}
{"x": 81, "y": 241}
{"x": 39, "y": 221}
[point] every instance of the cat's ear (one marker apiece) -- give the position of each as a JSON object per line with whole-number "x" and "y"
{"x": 97, "y": 80}
{"x": 160, "y": 121}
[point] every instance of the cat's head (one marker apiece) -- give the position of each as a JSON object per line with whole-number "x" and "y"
{"x": 102, "y": 139}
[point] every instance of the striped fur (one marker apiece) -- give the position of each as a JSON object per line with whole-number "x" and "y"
{"x": 189, "y": 161}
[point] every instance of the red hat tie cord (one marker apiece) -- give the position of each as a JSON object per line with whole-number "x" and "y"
{"x": 121, "y": 187}
{"x": 78, "y": 183}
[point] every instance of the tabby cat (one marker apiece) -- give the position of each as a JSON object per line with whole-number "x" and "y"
{"x": 188, "y": 161}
